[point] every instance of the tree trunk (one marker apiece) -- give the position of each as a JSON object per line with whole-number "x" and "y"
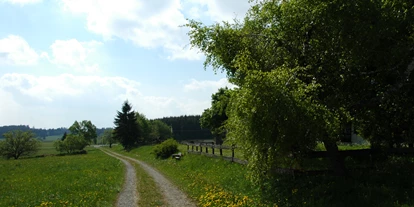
{"x": 337, "y": 162}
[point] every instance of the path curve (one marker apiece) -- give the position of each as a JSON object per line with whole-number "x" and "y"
{"x": 172, "y": 195}
{"x": 128, "y": 196}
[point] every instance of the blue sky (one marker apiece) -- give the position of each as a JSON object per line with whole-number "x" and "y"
{"x": 67, "y": 60}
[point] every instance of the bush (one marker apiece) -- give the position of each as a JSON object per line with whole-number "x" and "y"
{"x": 72, "y": 144}
{"x": 18, "y": 143}
{"x": 166, "y": 148}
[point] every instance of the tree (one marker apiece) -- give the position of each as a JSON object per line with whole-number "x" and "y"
{"x": 18, "y": 143}
{"x": 108, "y": 137}
{"x": 352, "y": 62}
{"x": 215, "y": 117}
{"x": 126, "y": 129}
{"x": 144, "y": 126}
{"x": 73, "y": 143}
{"x": 86, "y": 129}
{"x": 64, "y": 136}
{"x": 160, "y": 131}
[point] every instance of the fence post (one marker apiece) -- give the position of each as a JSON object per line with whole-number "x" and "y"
{"x": 212, "y": 148}
{"x": 206, "y": 149}
{"x": 196, "y": 148}
{"x": 221, "y": 150}
{"x": 232, "y": 153}
{"x": 201, "y": 148}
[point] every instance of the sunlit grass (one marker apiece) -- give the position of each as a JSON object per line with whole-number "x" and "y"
{"x": 93, "y": 179}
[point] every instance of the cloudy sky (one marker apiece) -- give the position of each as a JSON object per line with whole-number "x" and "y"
{"x": 67, "y": 60}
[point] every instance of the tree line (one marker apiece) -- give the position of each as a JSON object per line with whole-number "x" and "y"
{"x": 187, "y": 127}
{"x": 39, "y": 132}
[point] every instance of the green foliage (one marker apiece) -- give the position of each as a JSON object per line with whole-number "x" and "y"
{"x": 311, "y": 65}
{"x": 165, "y": 149}
{"x": 187, "y": 127}
{"x": 85, "y": 129}
{"x": 160, "y": 131}
{"x": 18, "y": 143}
{"x": 126, "y": 129}
{"x": 275, "y": 122}
{"x": 93, "y": 179}
{"x": 64, "y": 136}
{"x": 108, "y": 137}
{"x": 214, "y": 117}
{"x": 72, "y": 144}
{"x": 145, "y": 127}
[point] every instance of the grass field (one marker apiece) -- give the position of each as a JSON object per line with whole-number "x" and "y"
{"x": 47, "y": 148}
{"x": 92, "y": 179}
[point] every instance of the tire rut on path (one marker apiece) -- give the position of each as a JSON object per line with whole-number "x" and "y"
{"x": 128, "y": 196}
{"x": 172, "y": 195}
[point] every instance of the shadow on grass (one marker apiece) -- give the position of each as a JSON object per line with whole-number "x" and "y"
{"x": 388, "y": 182}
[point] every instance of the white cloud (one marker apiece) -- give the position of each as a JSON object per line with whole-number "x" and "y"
{"x": 74, "y": 54}
{"x": 196, "y": 85}
{"x": 21, "y": 2}
{"x": 220, "y": 10}
{"x": 56, "y": 101}
{"x": 153, "y": 24}
{"x": 14, "y": 50}
{"x": 50, "y": 88}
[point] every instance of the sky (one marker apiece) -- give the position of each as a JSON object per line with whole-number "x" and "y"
{"x": 67, "y": 60}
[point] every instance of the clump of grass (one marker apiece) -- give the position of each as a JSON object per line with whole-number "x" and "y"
{"x": 149, "y": 194}
{"x": 93, "y": 179}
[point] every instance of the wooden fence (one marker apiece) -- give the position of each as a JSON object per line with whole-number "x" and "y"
{"x": 213, "y": 151}
{"x": 217, "y": 151}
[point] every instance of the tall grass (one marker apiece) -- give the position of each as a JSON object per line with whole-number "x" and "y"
{"x": 93, "y": 179}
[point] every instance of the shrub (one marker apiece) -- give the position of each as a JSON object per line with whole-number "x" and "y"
{"x": 166, "y": 148}
{"x": 72, "y": 144}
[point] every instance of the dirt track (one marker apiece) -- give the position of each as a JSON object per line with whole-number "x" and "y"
{"x": 172, "y": 195}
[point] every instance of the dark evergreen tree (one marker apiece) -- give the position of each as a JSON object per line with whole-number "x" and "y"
{"x": 64, "y": 136}
{"x": 126, "y": 130}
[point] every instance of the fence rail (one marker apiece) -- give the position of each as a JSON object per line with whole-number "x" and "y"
{"x": 212, "y": 150}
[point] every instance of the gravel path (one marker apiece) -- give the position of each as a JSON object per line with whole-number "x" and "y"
{"x": 128, "y": 196}
{"x": 172, "y": 195}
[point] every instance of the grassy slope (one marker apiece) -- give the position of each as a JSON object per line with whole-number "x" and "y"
{"x": 93, "y": 179}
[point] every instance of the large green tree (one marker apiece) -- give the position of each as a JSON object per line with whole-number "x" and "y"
{"x": 215, "y": 117}
{"x": 349, "y": 61}
{"x": 85, "y": 129}
{"x": 126, "y": 129}
{"x": 18, "y": 143}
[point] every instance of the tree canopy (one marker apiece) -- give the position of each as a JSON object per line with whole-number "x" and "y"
{"x": 215, "y": 117}
{"x": 85, "y": 129}
{"x": 18, "y": 143}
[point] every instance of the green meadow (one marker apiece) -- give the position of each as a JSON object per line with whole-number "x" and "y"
{"x": 92, "y": 179}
